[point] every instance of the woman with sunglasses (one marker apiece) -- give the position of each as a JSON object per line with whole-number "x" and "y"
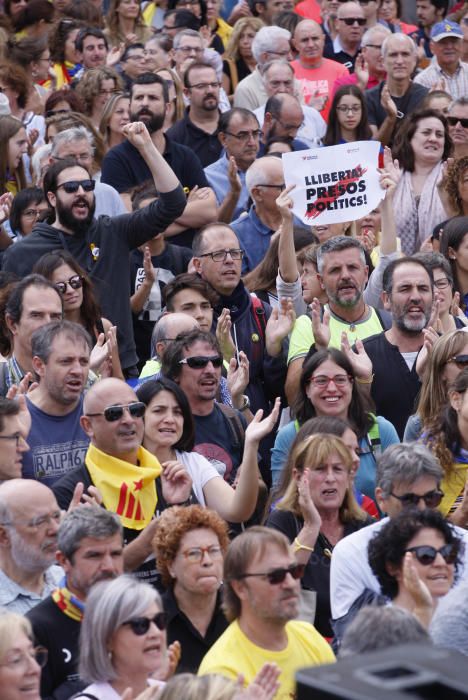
{"x": 169, "y": 435}
{"x": 448, "y": 357}
{"x": 447, "y": 437}
{"x": 122, "y": 640}
{"x": 415, "y": 557}
{"x": 328, "y": 387}
{"x": 317, "y": 510}
{"x": 189, "y": 545}
{"x": 348, "y": 117}
{"x": 20, "y": 662}
{"x": 80, "y": 306}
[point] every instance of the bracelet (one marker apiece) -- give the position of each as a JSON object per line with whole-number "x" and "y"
{"x": 365, "y": 381}
{"x": 298, "y": 546}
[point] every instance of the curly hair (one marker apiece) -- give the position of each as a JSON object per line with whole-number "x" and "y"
{"x": 173, "y": 524}
{"x": 361, "y": 407}
{"x": 388, "y": 546}
{"x": 312, "y": 453}
{"x": 452, "y": 183}
{"x": 90, "y": 85}
{"x": 443, "y": 436}
{"x": 59, "y": 36}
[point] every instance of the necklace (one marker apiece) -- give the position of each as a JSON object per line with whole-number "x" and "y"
{"x": 352, "y": 324}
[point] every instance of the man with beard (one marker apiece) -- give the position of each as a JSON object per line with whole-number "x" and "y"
{"x": 29, "y": 521}
{"x": 61, "y": 362}
{"x": 261, "y": 601}
{"x": 102, "y": 246}
{"x": 124, "y": 166}
{"x": 198, "y": 128}
{"x": 90, "y": 549}
{"x": 408, "y": 294}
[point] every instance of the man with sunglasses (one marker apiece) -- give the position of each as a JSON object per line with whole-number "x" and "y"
{"x": 102, "y": 246}
{"x": 408, "y": 476}
{"x": 57, "y": 441}
{"x": 261, "y": 601}
{"x": 457, "y": 118}
{"x": 89, "y": 550}
{"x": 129, "y": 478}
{"x": 350, "y": 25}
{"x": 447, "y": 67}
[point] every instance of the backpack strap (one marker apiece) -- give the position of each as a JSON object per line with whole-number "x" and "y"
{"x": 259, "y": 316}
{"x": 296, "y": 425}
{"x": 235, "y": 423}
{"x": 373, "y": 437}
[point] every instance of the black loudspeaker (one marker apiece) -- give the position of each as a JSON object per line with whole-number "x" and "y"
{"x": 406, "y": 672}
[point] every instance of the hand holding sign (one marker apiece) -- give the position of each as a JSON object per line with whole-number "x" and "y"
{"x": 334, "y": 184}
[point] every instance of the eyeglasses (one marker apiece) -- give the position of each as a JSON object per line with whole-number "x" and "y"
{"x": 195, "y": 554}
{"x": 188, "y": 49}
{"x": 74, "y": 282}
{"x": 72, "y": 186}
{"x": 221, "y": 255}
{"x": 277, "y": 576}
{"x": 273, "y": 187}
{"x": 353, "y": 20}
{"x": 19, "y": 660}
{"x": 114, "y": 413}
{"x": 201, "y": 361}
{"x": 141, "y": 625}
{"x": 51, "y": 112}
{"x": 443, "y": 283}
{"x": 426, "y": 555}
{"x": 321, "y": 380}
{"x": 34, "y": 213}
{"x": 354, "y": 109}
{"x": 282, "y": 54}
{"x": 205, "y": 86}
{"x": 453, "y": 121}
{"x": 245, "y": 135}
{"x": 431, "y": 499}
{"x": 372, "y": 46}
{"x": 17, "y": 437}
{"x": 40, "y": 520}
{"x": 460, "y": 360}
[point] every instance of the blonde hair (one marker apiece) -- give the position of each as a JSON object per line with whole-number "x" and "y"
{"x": 10, "y": 625}
{"x": 189, "y": 687}
{"x": 179, "y": 90}
{"x": 232, "y": 49}
{"x": 311, "y": 453}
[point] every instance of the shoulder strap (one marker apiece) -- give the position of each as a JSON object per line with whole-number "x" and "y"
{"x": 373, "y": 437}
{"x": 296, "y": 425}
{"x": 235, "y": 423}
{"x": 259, "y": 316}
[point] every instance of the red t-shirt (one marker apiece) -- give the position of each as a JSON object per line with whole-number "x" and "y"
{"x": 319, "y": 81}
{"x": 310, "y": 9}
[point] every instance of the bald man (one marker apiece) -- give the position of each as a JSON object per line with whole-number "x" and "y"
{"x": 29, "y": 521}
{"x": 315, "y": 74}
{"x": 130, "y": 479}
{"x": 350, "y": 26}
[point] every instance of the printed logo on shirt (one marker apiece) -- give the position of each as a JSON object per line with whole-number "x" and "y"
{"x": 53, "y": 461}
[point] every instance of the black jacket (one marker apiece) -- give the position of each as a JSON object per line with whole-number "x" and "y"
{"x": 104, "y": 253}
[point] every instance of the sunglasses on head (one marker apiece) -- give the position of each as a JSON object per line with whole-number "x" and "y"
{"x": 113, "y": 413}
{"x": 431, "y": 499}
{"x": 453, "y": 121}
{"x": 353, "y": 20}
{"x": 141, "y": 625}
{"x": 426, "y": 555}
{"x": 277, "y": 576}
{"x": 72, "y": 186}
{"x": 201, "y": 361}
{"x": 74, "y": 282}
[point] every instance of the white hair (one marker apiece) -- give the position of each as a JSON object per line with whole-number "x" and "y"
{"x": 402, "y": 38}
{"x": 40, "y": 154}
{"x": 259, "y": 173}
{"x": 266, "y": 39}
{"x": 368, "y": 36}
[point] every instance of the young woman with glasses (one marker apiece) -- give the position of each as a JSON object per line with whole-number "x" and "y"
{"x": 348, "y": 117}
{"x": 169, "y": 435}
{"x": 80, "y": 306}
{"x": 415, "y": 557}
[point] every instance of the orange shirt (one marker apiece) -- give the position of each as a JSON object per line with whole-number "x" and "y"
{"x": 309, "y": 9}
{"x": 319, "y": 81}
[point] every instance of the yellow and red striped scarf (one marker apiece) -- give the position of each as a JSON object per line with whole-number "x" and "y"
{"x": 127, "y": 489}
{"x": 67, "y": 602}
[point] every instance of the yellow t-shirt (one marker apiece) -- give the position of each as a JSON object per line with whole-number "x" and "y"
{"x": 233, "y": 653}
{"x": 302, "y": 336}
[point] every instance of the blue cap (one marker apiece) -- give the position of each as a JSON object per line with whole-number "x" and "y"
{"x": 441, "y": 30}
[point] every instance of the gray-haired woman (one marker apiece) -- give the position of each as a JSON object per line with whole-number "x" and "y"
{"x": 123, "y": 639}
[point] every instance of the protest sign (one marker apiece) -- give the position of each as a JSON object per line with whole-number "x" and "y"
{"x": 334, "y": 184}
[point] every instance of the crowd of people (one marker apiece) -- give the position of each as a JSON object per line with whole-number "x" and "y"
{"x": 232, "y": 444}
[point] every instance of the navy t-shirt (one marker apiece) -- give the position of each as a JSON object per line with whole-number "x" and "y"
{"x": 215, "y": 439}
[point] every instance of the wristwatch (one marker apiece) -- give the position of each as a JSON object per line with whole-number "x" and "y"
{"x": 246, "y": 403}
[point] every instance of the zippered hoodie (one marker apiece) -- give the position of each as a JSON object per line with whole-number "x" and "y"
{"x": 103, "y": 251}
